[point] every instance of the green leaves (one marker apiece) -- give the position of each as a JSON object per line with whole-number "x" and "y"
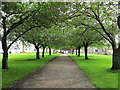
{"x": 64, "y": 20}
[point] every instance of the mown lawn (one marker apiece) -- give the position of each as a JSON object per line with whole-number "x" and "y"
{"x": 21, "y": 65}
{"x": 97, "y": 69}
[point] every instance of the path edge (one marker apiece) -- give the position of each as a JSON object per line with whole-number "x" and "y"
{"x": 84, "y": 73}
{"x": 19, "y": 81}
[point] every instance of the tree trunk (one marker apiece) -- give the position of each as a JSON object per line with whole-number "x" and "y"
{"x": 37, "y": 54}
{"x": 116, "y": 58}
{"x": 116, "y": 51}
{"x": 49, "y": 51}
{"x": 76, "y": 51}
{"x": 4, "y": 46}
{"x": 86, "y": 56}
{"x": 43, "y": 52}
{"x": 79, "y": 51}
{"x": 5, "y": 54}
{"x": 37, "y": 51}
{"x": 85, "y": 49}
{"x": 5, "y": 59}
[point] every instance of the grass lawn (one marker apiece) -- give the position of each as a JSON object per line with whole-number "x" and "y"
{"x": 97, "y": 69}
{"x": 21, "y": 65}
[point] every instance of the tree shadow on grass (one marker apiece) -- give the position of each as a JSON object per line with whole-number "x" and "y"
{"x": 77, "y": 56}
{"x": 27, "y": 60}
{"x": 32, "y": 59}
{"x": 92, "y": 56}
{"x": 88, "y": 59}
{"x": 82, "y": 56}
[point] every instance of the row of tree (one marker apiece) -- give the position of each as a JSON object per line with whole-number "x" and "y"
{"x": 18, "y": 18}
{"x": 61, "y": 25}
{"x": 99, "y": 17}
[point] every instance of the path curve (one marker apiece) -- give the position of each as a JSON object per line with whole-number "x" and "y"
{"x": 61, "y": 72}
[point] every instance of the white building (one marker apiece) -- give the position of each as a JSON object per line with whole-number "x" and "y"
{"x": 18, "y": 47}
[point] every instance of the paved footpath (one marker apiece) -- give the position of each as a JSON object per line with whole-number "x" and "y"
{"x": 61, "y": 72}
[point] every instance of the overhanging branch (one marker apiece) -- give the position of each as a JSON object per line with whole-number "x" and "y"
{"x": 21, "y": 35}
{"x": 14, "y": 25}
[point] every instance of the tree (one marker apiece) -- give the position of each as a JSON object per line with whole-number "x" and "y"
{"x": 11, "y": 19}
{"x": 109, "y": 31}
{"x": 89, "y": 39}
{"x": 75, "y": 39}
{"x": 19, "y": 18}
{"x": 83, "y": 35}
{"x": 34, "y": 38}
{"x": 85, "y": 38}
{"x": 102, "y": 16}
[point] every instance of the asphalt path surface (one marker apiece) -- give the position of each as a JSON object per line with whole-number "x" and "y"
{"x": 61, "y": 72}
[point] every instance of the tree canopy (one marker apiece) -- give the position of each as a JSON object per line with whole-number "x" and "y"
{"x": 62, "y": 25}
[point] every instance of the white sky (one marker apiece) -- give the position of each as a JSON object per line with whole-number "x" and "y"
{"x": 59, "y": 0}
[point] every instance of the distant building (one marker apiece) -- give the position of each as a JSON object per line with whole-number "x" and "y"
{"x": 18, "y": 47}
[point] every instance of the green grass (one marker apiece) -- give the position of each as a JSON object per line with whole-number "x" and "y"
{"x": 21, "y": 65}
{"x": 97, "y": 69}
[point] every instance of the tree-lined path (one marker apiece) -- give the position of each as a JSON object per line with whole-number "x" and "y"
{"x": 61, "y": 72}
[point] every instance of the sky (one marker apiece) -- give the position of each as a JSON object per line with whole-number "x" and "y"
{"x": 58, "y": 0}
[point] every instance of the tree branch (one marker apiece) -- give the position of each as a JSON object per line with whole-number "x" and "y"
{"x": 97, "y": 31}
{"x": 108, "y": 34}
{"x": 21, "y": 35}
{"x": 104, "y": 36}
{"x": 14, "y": 25}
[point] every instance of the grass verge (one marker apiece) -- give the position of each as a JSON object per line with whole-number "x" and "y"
{"x": 97, "y": 69}
{"x": 21, "y": 65}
